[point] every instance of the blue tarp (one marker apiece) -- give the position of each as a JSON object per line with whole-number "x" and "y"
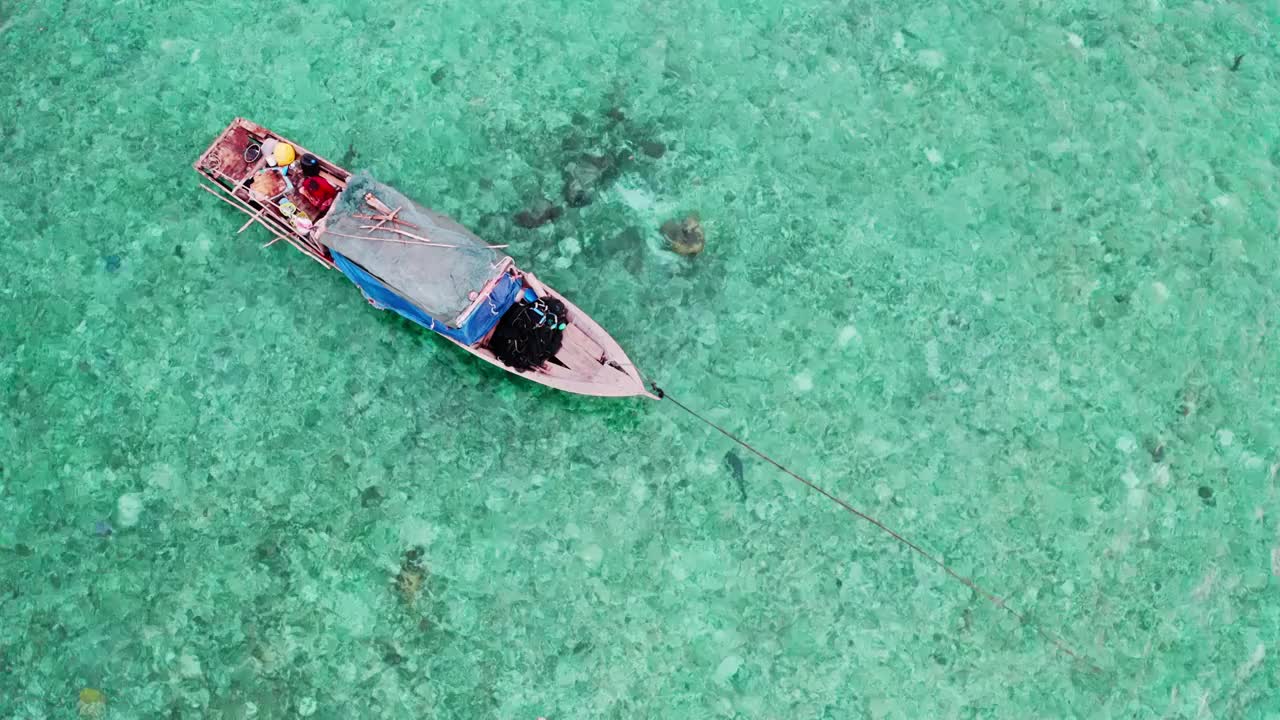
{"x": 476, "y": 327}
{"x": 436, "y": 280}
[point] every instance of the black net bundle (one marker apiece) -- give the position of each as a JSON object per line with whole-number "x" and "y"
{"x": 529, "y": 334}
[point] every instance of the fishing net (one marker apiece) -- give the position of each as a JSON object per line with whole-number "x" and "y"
{"x": 529, "y": 334}
{"x": 437, "y": 276}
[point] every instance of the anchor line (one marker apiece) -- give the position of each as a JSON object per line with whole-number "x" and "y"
{"x": 898, "y": 537}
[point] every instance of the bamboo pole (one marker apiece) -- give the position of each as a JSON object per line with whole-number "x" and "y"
{"x": 252, "y": 218}
{"x": 298, "y": 241}
{"x": 429, "y": 240}
{"x": 218, "y": 195}
{"x": 392, "y": 240}
{"x": 377, "y": 204}
{"x": 394, "y": 220}
{"x": 391, "y": 217}
{"x": 277, "y": 224}
{"x": 419, "y": 240}
{"x": 295, "y": 242}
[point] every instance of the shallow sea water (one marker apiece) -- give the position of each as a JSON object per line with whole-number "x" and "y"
{"x": 1002, "y": 274}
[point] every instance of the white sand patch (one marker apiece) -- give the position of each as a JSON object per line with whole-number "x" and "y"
{"x": 848, "y": 334}
{"x": 592, "y": 554}
{"x": 1205, "y": 588}
{"x": 189, "y": 666}
{"x": 932, "y": 59}
{"x": 726, "y": 669}
{"x": 639, "y": 492}
{"x": 1160, "y": 476}
{"x": 417, "y": 532}
{"x": 933, "y": 359}
{"x": 1137, "y": 497}
{"x": 637, "y": 199}
{"x": 162, "y": 476}
{"x": 641, "y": 201}
{"x": 1250, "y": 666}
{"x": 355, "y": 612}
{"x": 803, "y": 382}
{"x": 128, "y": 509}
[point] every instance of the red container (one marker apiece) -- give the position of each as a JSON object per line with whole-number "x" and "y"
{"x": 319, "y": 191}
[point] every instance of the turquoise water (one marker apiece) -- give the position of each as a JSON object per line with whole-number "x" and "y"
{"x": 1001, "y": 274}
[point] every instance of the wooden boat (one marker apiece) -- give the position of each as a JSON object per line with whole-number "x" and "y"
{"x": 405, "y": 257}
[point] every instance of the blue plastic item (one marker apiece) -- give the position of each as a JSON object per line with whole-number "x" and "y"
{"x": 476, "y": 326}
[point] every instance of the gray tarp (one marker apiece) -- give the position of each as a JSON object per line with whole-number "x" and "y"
{"x": 436, "y": 279}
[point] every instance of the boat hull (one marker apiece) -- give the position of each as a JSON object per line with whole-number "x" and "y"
{"x": 590, "y": 361}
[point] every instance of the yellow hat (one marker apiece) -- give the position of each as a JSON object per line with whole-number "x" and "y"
{"x": 284, "y": 154}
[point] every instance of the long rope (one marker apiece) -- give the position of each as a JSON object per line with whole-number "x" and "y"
{"x": 990, "y": 597}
